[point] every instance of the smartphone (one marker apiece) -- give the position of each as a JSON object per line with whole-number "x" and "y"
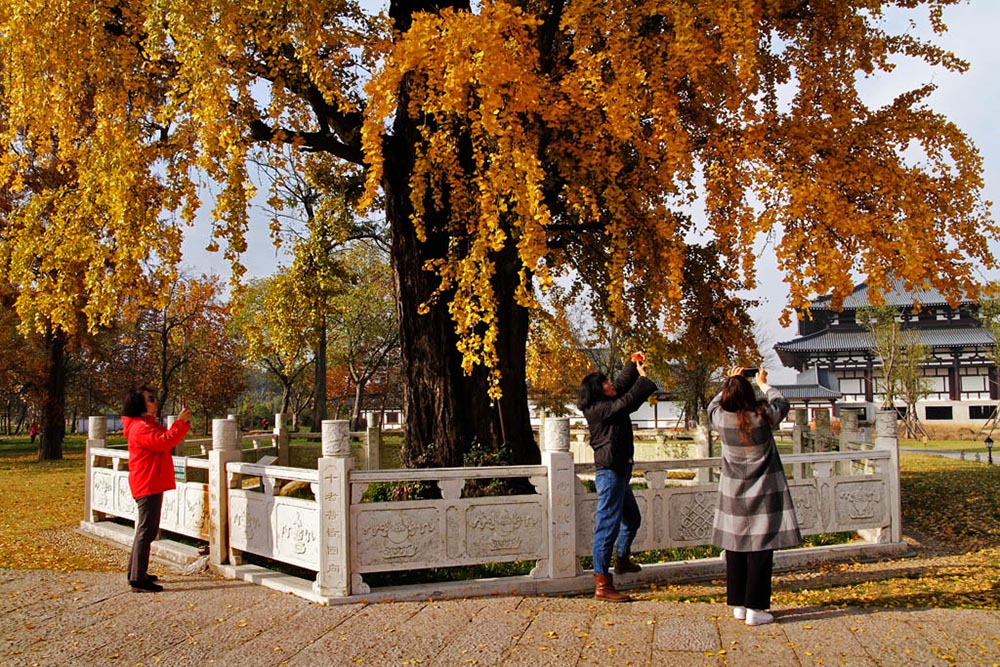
{"x": 184, "y": 402}
{"x": 750, "y": 372}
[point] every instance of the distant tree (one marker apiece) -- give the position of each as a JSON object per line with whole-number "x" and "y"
{"x": 312, "y": 201}
{"x": 715, "y": 330}
{"x": 913, "y": 384}
{"x": 185, "y": 337}
{"x": 989, "y": 314}
{"x": 279, "y": 335}
{"x": 60, "y": 277}
{"x": 22, "y": 374}
{"x": 557, "y": 359}
{"x": 363, "y": 329}
{"x": 888, "y": 341}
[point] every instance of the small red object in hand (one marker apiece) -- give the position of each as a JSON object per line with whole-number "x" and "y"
{"x": 638, "y": 357}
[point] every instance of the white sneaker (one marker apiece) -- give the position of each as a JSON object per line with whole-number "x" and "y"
{"x": 756, "y": 617}
{"x": 739, "y": 613}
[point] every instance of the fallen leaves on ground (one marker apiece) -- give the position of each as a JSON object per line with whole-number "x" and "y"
{"x": 951, "y": 519}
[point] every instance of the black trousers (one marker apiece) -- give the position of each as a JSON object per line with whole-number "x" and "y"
{"x": 748, "y": 578}
{"x": 147, "y": 526}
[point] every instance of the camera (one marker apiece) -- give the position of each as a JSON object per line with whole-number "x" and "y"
{"x": 750, "y": 372}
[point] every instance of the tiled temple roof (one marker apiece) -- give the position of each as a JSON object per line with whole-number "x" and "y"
{"x": 859, "y": 340}
{"x": 898, "y": 296}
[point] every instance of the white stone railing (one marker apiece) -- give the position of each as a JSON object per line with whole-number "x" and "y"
{"x": 185, "y": 509}
{"x": 343, "y": 536}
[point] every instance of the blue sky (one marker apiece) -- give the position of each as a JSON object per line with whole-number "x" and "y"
{"x": 967, "y": 98}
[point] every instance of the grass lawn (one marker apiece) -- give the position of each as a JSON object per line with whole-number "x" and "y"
{"x": 951, "y": 518}
{"x": 953, "y": 445}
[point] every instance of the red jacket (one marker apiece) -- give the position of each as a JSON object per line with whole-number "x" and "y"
{"x": 150, "y": 466}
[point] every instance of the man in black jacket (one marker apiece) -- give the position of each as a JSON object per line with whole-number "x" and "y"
{"x": 608, "y": 407}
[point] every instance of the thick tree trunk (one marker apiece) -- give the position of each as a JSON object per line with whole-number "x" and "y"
{"x": 445, "y": 411}
{"x": 54, "y": 402}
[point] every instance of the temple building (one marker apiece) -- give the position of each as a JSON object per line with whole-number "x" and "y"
{"x": 837, "y": 365}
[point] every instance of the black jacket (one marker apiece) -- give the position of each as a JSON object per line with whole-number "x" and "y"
{"x": 610, "y": 420}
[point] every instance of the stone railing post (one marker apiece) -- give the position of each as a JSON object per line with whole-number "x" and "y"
{"x": 225, "y": 450}
{"x": 800, "y": 427}
{"x": 374, "y": 438}
{"x": 703, "y": 446}
{"x": 334, "y": 500}
{"x": 97, "y": 437}
{"x": 562, "y": 484}
{"x": 281, "y": 439}
{"x": 850, "y": 436}
{"x": 850, "y": 439}
{"x": 178, "y": 449}
{"x": 887, "y": 439}
{"x": 824, "y": 433}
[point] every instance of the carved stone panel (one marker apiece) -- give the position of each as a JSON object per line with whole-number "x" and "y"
{"x": 194, "y": 510}
{"x": 586, "y": 507}
{"x": 169, "y": 514}
{"x": 860, "y": 503}
{"x": 296, "y": 532}
{"x": 691, "y": 515}
{"x": 124, "y": 503}
{"x": 249, "y": 523}
{"x": 643, "y": 498}
{"x": 505, "y": 530}
{"x": 805, "y": 498}
{"x": 398, "y": 537}
{"x": 103, "y": 491}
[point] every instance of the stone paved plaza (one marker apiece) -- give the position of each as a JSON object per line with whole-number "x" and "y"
{"x": 91, "y": 618}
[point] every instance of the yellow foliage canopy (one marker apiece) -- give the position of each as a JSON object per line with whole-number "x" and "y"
{"x": 575, "y": 132}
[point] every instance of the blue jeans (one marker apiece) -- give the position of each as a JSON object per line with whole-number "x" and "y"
{"x": 617, "y": 517}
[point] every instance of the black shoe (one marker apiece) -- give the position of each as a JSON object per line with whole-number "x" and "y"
{"x": 625, "y": 565}
{"x": 145, "y": 586}
{"x": 152, "y": 577}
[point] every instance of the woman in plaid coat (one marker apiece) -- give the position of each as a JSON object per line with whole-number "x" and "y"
{"x": 754, "y": 513}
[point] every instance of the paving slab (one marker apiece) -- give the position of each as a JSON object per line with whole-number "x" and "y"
{"x": 91, "y": 618}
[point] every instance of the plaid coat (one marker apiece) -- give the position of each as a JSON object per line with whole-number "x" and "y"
{"x": 754, "y": 509}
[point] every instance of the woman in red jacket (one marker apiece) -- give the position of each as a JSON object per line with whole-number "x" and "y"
{"x": 150, "y": 474}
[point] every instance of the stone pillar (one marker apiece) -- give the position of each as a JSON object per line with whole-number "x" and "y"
{"x": 887, "y": 439}
{"x": 824, "y": 433}
{"x": 703, "y": 447}
{"x": 280, "y": 439}
{"x": 97, "y": 437}
{"x": 850, "y": 436}
{"x": 562, "y": 482}
{"x": 334, "y": 500}
{"x": 800, "y": 427}
{"x": 225, "y": 450}
{"x": 374, "y": 448}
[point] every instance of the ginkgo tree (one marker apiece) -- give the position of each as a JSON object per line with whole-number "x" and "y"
{"x": 511, "y": 141}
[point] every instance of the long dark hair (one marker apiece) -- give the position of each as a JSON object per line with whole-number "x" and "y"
{"x": 591, "y": 390}
{"x": 738, "y": 396}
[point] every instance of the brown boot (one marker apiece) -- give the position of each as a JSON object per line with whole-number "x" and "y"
{"x": 625, "y": 565}
{"x": 604, "y": 589}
